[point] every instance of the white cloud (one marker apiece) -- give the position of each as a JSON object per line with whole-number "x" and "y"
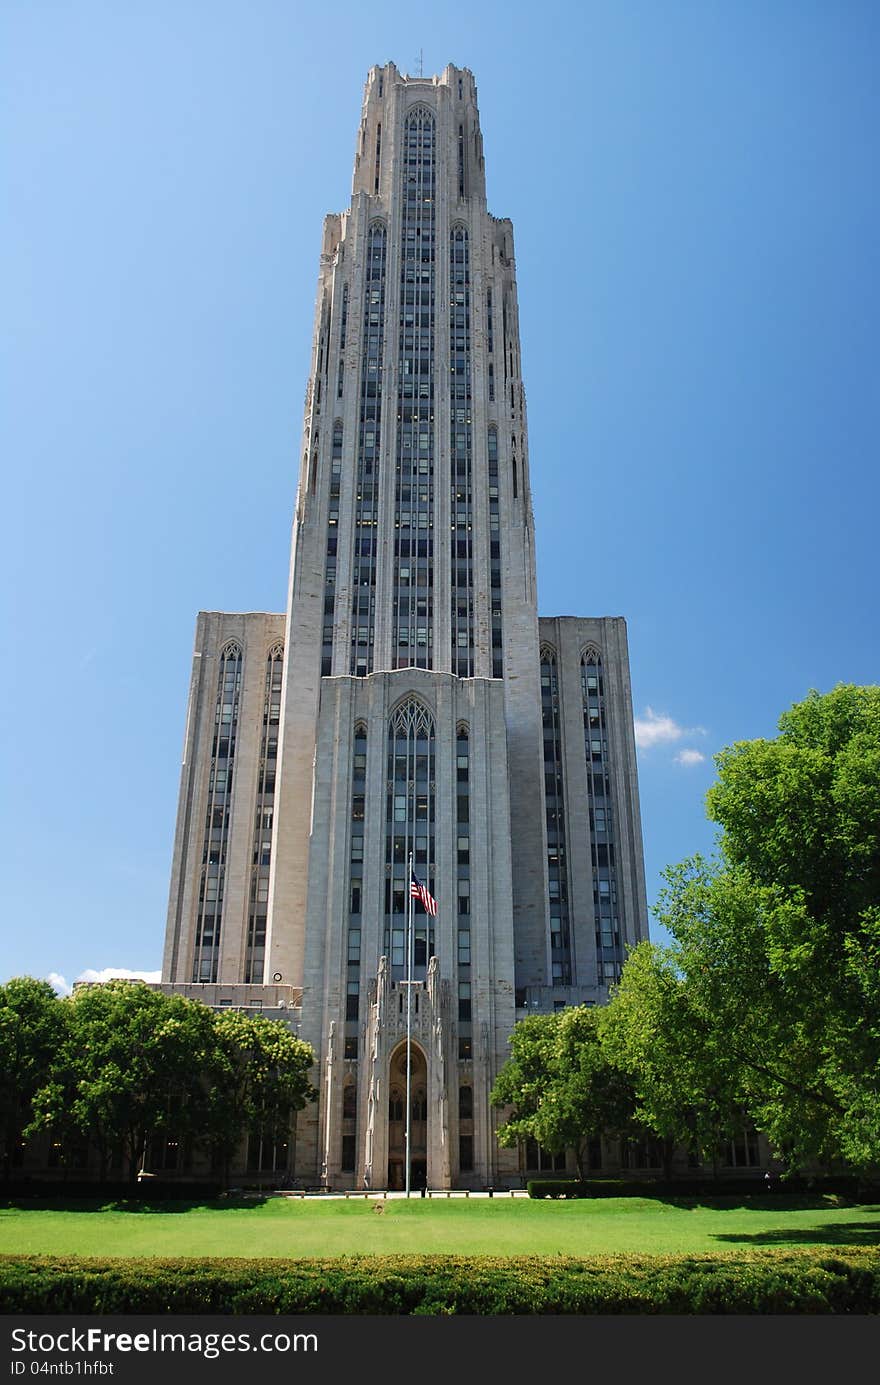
{"x": 689, "y": 757}
{"x": 58, "y": 983}
{"x": 656, "y": 728}
{"x": 109, "y": 973}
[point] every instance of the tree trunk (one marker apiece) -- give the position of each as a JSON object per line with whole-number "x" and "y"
{"x": 582, "y": 1159}
{"x": 668, "y": 1156}
{"x": 134, "y": 1163}
{"x": 102, "y": 1160}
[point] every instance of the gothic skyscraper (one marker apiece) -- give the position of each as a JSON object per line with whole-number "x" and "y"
{"x": 411, "y": 702}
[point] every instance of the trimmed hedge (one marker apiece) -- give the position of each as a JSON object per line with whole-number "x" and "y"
{"x": 765, "y": 1281}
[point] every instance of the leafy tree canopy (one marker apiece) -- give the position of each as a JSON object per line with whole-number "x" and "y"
{"x": 776, "y": 946}
{"x": 259, "y": 1076}
{"x": 31, "y": 1029}
{"x": 561, "y": 1087}
{"x": 130, "y": 1066}
{"x": 687, "y": 1089}
{"x": 125, "y": 1063}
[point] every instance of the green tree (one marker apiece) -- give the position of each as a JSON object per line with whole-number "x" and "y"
{"x": 561, "y": 1088}
{"x": 746, "y": 996}
{"x": 130, "y": 1067}
{"x": 258, "y": 1076}
{"x": 31, "y": 1030}
{"x": 778, "y": 943}
{"x": 688, "y": 1089}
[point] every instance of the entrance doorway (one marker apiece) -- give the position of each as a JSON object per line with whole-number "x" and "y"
{"x": 397, "y": 1120}
{"x": 419, "y": 1178}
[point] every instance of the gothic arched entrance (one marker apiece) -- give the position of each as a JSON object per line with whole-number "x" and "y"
{"x": 397, "y": 1119}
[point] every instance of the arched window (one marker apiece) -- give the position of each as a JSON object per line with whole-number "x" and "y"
{"x": 409, "y": 831}
{"x": 395, "y": 1105}
{"x": 465, "y": 1103}
{"x": 349, "y": 1101}
{"x": 420, "y": 1104}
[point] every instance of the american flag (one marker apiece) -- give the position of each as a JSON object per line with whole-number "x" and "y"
{"x": 420, "y": 891}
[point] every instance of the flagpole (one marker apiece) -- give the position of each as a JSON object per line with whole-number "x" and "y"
{"x": 409, "y": 933}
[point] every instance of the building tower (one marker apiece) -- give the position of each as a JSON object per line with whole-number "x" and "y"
{"x": 411, "y": 703}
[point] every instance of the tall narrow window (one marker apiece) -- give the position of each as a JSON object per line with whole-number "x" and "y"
{"x": 349, "y": 1102}
{"x": 343, "y": 326}
{"x": 461, "y": 556}
{"x": 463, "y": 848}
{"x": 356, "y": 855}
{"x": 331, "y": 554}
{"x": 413, "y": 598}
{"x": 464, "y": 1001}
{"x": 609, "y": 950}
{"x": 461, "y": 161}
{"x": 209, "y": 914}
{"x": 495, "y": 557}
{"x": 366, "y": 508}
{"x": 258, "y": 894}
{"x": 504, "y": 335}
{"x": 319, "y": 364}
{"x": 557, "y": 866}
{"x": 378, "y": 159}
{"x": 409, "y": 827}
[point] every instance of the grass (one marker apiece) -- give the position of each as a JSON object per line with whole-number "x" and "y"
{"x": 291, "y": 1228}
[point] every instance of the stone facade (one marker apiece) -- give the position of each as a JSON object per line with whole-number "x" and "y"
{"x": 215, "y": 838}
{"x": 419, "y": 708}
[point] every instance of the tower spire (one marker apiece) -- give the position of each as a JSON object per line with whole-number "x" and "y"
{"x": 420, "y": 708}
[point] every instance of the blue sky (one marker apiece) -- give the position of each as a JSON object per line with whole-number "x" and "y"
{"x": 695, "y": 200}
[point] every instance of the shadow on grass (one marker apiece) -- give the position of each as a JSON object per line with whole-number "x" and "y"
{"x": 133, "y": 1204}
{"x": 765, "y": 1202}
{"x": 849, "y": 1233}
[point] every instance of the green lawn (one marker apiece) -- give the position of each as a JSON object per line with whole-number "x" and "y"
{"x": 294, "y": 1228}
